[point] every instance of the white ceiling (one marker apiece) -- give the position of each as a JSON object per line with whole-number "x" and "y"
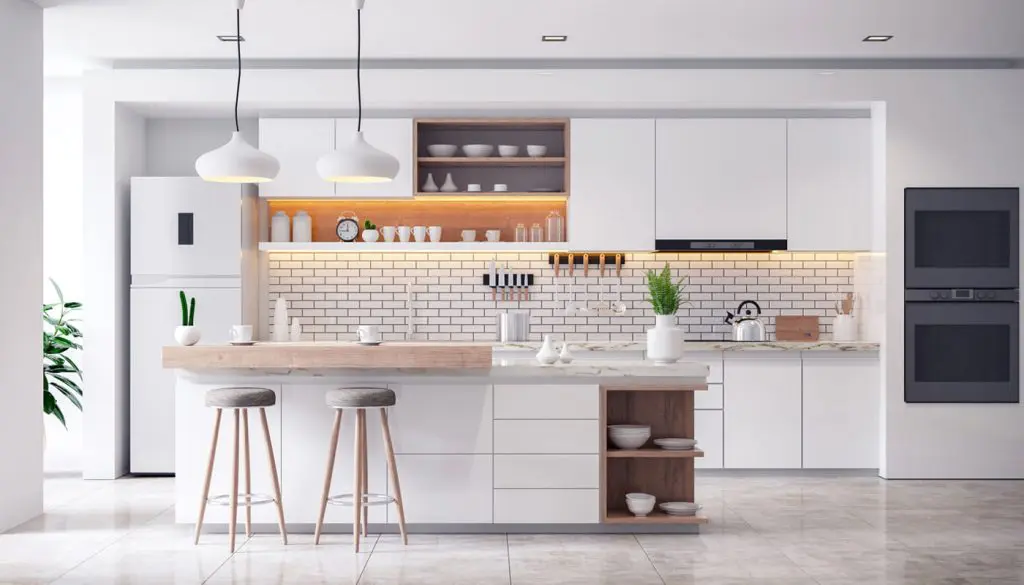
{"x": 84, "y": 33}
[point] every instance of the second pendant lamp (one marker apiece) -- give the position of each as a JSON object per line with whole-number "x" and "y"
{"x": 358, "y": 161}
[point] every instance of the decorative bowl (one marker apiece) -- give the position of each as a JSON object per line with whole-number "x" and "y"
{"x": 508, "y": 150}
{"x": 442, "y": 150}
{"x": 478, "y": 150}
{"x": 629, "y": 436}
{"x": 536, "y": 149}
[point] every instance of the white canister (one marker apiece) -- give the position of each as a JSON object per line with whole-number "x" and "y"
{"x": 844, "y": 328}
{"x": 280, "y": 227}
{"x": 302, "y": 227}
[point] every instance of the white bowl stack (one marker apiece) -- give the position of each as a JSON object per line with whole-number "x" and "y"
{"x": 629, "y": 436}
{"x": 639, "y": 504}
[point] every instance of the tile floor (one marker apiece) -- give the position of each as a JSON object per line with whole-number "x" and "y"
{"x": 791, "y": 530}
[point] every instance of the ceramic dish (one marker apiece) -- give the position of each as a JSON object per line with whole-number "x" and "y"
{"x": 536, "y": 149}
{"x": 370, "y": 343}
{"x": 629, "y": 436}
{"x": 640, "y": 507}
{"x": 676, "y": 444}
{"x": 508, "y": 150}
{"x": 242, "y": 343}
{"x": 442, "y": 150}
{"x": 679, "y": 508}
{"x": 477, "y": 150}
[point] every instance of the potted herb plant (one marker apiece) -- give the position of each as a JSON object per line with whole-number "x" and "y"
{"x": 370, "y": 233}
{"x": 665, "y": 341}
{"x": 187, "y": 333}
{"x": 61, "y": 374}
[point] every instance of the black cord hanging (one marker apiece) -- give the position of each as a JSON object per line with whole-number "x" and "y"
{"x": 359, "y": 66}
{"x": 238, "y": 43}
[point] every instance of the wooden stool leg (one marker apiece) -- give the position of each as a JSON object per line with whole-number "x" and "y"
{"x": 366, "y": 476}
{"x": 328, "y": 475}
{"x": 389, "y": 449}
{"x": 248, "y": 473}
{"x": 209, "y": 474}
{"x": 357, "y": 483}
{"x": 232, "y": 528}
{"x": 273, "y": 476}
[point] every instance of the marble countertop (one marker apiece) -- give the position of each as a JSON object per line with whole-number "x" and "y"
{"x": 639, "y": 346}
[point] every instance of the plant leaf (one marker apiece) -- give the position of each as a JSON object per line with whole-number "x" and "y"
{"x": 50, "y": 406}
{"x": 60, "y": 293}
{"x": 70, "y": 395}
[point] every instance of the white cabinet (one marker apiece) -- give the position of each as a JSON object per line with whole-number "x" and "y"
{"x": 708, "y": 430}
{"x": 721, "y": 179}
{"x": 442, "y": 419}
{"x": 393, "y": 136}
{"x": 841, "y": 413}
{"x": 297, "y": 144}
{"x": 546, "y": 506}
{"x": 547, "y": 402}
{"x": 830, "y": 184}
{"x": 455, "y": 489}
{"x": 611, "y": 206}
{"x": 546, "y": 436}
{"x": 762, "y": 413}
{"x": 547, "y": 471}
{"x": 711, "y": 399}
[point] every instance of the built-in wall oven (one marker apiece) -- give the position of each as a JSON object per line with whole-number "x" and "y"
{"x": 962, "y": 311}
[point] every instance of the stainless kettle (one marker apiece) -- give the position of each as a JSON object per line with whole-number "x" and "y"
{"x": 747, "y": 325}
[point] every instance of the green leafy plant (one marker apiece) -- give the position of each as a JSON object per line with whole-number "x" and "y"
{"x": 369, "y": 225}
{"x": 188, "y": 310}
{"x": 59, "y": 370}
{"x": 666, "y": 296}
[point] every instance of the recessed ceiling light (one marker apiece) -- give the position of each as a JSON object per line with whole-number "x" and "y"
{"x": 230, "y": 38}
{"x": 877, "y": 38}
{"x": 554, "y": 38}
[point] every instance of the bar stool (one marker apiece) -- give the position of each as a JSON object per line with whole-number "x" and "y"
{"x": 240, "y": 400}
{"x": 360, "y": 399}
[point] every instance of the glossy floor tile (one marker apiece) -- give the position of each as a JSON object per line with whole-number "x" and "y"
{"x": 787, "y": 529}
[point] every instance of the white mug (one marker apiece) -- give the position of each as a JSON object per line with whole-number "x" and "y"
{"x": 468, "y": 235}
{"x": 369, "y": 334}
{"x": 388, "y": 232}
{"x": 241, "y": 333}
{"x": 435, "y": 233}
{"x": 403, "y": 233}
{"x": 474, "y": 188}
{"x": 419, "y": 233}
{"x": 493, "y": 235}
{"x": 500, "y": 187}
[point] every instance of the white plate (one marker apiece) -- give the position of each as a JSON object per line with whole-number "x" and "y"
{"x": 679, "y": 508}
{"x": 676, "y": 444}
{"x": 242, "y": 343}
{"x": 370, "y": 343}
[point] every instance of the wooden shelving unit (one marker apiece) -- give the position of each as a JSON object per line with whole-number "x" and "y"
{"x": 652, "y": 454}
{"x": 500, "y": 161}
{"x": 497, "y": 195}
{"x": 655, "y": 517}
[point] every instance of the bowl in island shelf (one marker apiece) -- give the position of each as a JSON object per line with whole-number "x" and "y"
{"x": 679, "y": 508}
{"x": 629, "y": 436}
{"x": 639, "y": 504}
{"x": 673, "y": 444}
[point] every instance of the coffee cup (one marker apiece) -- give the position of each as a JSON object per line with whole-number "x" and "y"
{"x": 419, "y": 233}
{"x": 434, "y": 232}
{"x": 388, "y": 232}
{"x": 474, "y": 188}
{"x": 468, "y": 235}
{"x": 493, "y": 235}
{"x": 403, "y": 233}
{"x": 241, "y": 333}
{"x": 368, "y": 334}
{"x": 500, "y": 187}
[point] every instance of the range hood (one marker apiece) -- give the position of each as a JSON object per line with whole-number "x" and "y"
{"x": 720, "y": 245}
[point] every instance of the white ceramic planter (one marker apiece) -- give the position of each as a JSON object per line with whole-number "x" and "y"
{"x": 371, "y": 235}
{"x": 186, "y": 335}
{"x": 665, "y": 341}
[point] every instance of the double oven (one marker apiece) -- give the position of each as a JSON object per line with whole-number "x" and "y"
{"x": 962, "y": 311}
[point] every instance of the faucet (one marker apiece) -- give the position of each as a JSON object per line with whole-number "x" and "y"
{"x": 411, "y": 313}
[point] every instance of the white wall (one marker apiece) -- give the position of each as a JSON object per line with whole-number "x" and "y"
{"x": 174, "y": 144}
{"x": 21, "y": 228}
{"x": 948, "y": 128}
{"x": 62, "y": 248}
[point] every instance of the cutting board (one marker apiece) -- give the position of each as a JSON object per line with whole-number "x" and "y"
{"x": 796, "y": 328}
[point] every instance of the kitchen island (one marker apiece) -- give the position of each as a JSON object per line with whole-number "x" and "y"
{"x": 505, "y": 446}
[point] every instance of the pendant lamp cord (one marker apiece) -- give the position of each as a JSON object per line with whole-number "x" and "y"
{"x": 359, "y": 65}
{"x": 238, "y": 42}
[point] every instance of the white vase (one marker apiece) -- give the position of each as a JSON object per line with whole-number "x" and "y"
{"x": 547, "y": 354}
{"x": 449, "y": 185}
{"x": 302, "y": 227}
{"x": 429, "y": 186}
{"x": 186, "y": 335}
{"x": 566, "y": 356}
{"x": 280, "y": 319}
{"x": 665, "y": 341}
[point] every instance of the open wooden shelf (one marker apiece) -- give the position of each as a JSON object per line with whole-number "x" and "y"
{"x": 654, "y": 453}
{"x": 412, "y": 246}
{"x": 494, "y": 196}
{"x": 500, "y": 161}
{"x": 655, "y": 517}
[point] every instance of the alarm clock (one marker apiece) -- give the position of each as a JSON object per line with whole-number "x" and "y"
{"x": 348, "y": 228}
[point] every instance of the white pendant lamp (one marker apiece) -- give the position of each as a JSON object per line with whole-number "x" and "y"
{"x": 237, "y": 161}
{"x": 358, "y": 161}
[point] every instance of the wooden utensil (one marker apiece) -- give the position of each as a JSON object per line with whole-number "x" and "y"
{"x": 847, "y": 304}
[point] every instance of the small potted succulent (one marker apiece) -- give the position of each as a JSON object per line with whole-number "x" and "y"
{"x": 370, "y": 233}
{"x": 665, "y": 341}
{"x": 187, "y": 333}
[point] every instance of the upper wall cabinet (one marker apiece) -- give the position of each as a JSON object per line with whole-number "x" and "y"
{"x": 720, "y": 179}
{"x": 830, "y": 184}
{"x": 297, "y": 144}
{"x": 393, "y": 136}
{"x": 612, "y": 177}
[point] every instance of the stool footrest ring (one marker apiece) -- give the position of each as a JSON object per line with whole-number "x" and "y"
{"x": 243, "y": 500}
{"x": 368, "y": 500}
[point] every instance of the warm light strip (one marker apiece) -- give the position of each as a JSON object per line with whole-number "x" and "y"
{"x": 538, "y": 198}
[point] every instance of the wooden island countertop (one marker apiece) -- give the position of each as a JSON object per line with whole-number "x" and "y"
{"x": 311, "y": 355}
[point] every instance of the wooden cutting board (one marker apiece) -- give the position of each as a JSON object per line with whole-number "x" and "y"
{"x": 796, "y": 328}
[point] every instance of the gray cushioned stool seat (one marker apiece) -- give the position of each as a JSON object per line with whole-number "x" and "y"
{"x": 240, "y": 397}
{"x": 360, "y": 398}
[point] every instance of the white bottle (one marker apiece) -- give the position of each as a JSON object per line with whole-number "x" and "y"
{"x": 280, "y": 228}
{"x": 429, "y": 186}
{"x": 547, "y": 354}
{"x": 296, "y": 332}
{"x": 449, "y": 185}
{"x": 280, "y": 319}
{"x": 566, "y": 356}
{"x": 302, "y": 227}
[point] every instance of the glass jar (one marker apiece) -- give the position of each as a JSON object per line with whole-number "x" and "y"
{"x": 521, "y": 232}
{"x": 555, "y": 227}
{"x": 536, "y": 233}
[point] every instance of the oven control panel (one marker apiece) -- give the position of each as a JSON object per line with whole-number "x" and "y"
{"x": 963, "y": 295}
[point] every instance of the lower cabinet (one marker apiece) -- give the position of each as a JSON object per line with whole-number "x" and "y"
{"x": 708, "y": 430}
{"x": 841, "y": 413}
{"x": 762, "y": 413}
{"x": 446, "y": 489}
{"x": 547, "y": 471}
{"x": 546, "y": 506}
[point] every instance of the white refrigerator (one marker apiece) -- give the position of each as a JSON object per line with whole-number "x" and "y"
{"x": 192, "y": 236}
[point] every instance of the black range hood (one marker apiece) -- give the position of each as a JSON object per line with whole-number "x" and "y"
{"x": 720, "y": 245}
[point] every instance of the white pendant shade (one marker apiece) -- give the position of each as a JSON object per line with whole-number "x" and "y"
{"x": 358, "y": 162}
{"x": 237, "y": 162}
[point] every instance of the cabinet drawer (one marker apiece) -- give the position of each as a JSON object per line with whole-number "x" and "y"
{"x": 710, "y": 399}
{"x": 546, "y": 507}
{"x": 546, "y": 436}
{"x": 712, "y": 359}
{"x": 547, "y": 402}
{"x": 547, "y": 471}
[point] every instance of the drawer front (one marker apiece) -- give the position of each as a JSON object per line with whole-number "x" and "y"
{"x": 547, "y": 402}
{"x": 546, "y": 507}
{"x": 546, "y": 436}
{"x": 547, "y": 471}
{"x": 711, "y": 399}
{"x": 713, "y": 360}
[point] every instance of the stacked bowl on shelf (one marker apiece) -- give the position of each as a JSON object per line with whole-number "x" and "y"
{"x": 629, "y": 436}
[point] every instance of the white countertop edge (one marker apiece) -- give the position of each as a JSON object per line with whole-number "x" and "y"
{"x": 702, "y": 346}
